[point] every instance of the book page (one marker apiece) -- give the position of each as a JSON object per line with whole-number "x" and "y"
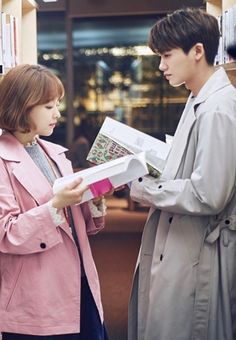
{"x": 116, "y": 139}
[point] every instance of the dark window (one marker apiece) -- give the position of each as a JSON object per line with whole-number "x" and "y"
{"x": 115, "y": 73}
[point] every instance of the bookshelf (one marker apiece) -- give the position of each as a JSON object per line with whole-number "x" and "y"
{"x": 24, "y": 13}
{"x": 218, "y": 8}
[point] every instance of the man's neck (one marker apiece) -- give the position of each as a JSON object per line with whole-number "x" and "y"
{"x": 201, "y": 77}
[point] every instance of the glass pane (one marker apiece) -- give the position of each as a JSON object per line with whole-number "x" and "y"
{"x": 116, "y": 75}
{"x": 52, "y": 53}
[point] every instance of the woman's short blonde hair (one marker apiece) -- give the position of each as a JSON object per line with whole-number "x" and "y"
{"x": 21, "y": 89}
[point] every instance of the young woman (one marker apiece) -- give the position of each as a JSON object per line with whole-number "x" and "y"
{"x": 49, "y": 287}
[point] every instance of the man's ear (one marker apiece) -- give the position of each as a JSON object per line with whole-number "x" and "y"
{"x": 199, "y": 51}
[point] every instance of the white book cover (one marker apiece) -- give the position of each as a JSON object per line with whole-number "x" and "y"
{"x": 116, "y": 139}
{"x": 104, "y": 177}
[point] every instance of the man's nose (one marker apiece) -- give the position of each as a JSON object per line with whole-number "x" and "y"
{"x": 162, "y": 65}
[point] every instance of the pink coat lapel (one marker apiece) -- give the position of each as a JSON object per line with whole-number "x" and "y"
{"x": 26, "y": 171}
{"x": 57, "y": 154}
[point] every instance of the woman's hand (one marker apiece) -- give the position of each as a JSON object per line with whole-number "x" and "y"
{"x": 98, "y": 200}
{"x": 69, "y": 195}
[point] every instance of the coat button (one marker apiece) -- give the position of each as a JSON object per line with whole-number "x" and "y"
{"x": 140, "y": 179}
{"x": 227, "y": 222}
{"x": 160, "y": 186}
{"x": 43, "y": 245}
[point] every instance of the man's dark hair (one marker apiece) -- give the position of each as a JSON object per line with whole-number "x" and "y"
{"x": 183, "y": 29}
{"x": 231, "y": 50}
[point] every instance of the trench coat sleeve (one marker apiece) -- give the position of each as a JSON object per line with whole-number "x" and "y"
{"x": 212, "y": 180}
{"x": 24, "y": 232}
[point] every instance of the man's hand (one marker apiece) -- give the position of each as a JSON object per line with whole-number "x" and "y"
{"x": 97, "y": 200}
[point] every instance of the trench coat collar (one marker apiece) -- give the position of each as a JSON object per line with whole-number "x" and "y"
{"x": 216, "y": 82}
{"x": 26, "y": 171}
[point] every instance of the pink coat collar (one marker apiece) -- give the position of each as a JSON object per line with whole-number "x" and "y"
{"x": 23, "y": 168}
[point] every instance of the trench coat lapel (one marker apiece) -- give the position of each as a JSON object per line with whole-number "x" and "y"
{"x": 179, "y": 141}
{"x": 216, "y": 82}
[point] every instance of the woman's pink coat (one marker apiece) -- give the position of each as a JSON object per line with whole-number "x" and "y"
{"x": 40, "y": 270}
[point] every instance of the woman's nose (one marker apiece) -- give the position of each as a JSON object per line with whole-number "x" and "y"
{"x": 57, "y": 113}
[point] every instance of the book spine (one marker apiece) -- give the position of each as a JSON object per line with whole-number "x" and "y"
{"x": 1, "y": 48}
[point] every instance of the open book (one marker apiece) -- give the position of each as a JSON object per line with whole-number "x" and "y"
{"x": 102, "y": 178}
{"x": 116, "y": 139}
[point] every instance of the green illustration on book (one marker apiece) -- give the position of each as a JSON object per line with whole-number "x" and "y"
{"x": 105, "y": 149}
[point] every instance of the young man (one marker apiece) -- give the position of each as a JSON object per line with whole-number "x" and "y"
{"x": 185, "y": 281}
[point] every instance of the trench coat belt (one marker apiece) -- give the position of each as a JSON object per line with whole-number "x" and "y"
{"x": 204, "y": 278}
{"x": 229, "y": 222}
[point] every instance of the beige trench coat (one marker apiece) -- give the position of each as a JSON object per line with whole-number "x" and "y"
{"x": 184, "y": 285}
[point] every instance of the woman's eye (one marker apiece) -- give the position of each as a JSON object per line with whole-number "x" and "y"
{"x": 49, "y": 107}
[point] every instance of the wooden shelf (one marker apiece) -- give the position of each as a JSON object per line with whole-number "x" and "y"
{"x": 216, "y": 8}
{"x": 26, "y": 13}
{"x": 29, "y": 4}
{"x": 230, "y": 66}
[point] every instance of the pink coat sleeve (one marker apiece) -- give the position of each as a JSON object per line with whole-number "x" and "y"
{"x": 93, "y": 225}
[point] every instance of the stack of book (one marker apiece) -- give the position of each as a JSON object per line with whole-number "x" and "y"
{"x": 9, "y": 42}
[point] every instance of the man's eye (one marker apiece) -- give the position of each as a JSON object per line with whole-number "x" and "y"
{"x": 49, "y": 107}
